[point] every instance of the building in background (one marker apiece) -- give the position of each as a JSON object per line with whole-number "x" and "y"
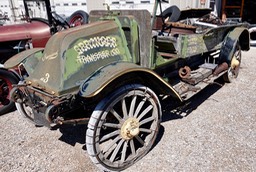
{"x": 243, "y": 9}
{"x": 149, "y": 4}
{"x": 67, "y": 7}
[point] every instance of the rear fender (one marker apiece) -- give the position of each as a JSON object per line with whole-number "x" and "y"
{"x": 118, "y": 74}
{"x": 239, "y": 34}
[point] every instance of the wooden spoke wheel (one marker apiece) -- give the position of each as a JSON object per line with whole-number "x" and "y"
{"x": 27, "y": 112}
{"x": 123, "y": 127}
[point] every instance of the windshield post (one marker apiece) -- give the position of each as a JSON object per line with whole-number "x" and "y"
{"x": 49, "y": 11}
{"x": 154, "y": 13}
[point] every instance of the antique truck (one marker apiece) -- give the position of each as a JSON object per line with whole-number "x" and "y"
{"x": 114, "y": 73}
{"x": 33, "y": 32}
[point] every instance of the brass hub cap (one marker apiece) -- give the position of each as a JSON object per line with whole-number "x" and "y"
{"x": 130, "y": 128}
{"x": 234, "y": 63}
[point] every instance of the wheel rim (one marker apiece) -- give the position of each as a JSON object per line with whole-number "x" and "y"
{"x": 5, "y": 87}
{"x": 126, "y": 129}
{"x": 233, "y": 71}
{"x": 76, "y": 20}
{"x": 25, "y": 111}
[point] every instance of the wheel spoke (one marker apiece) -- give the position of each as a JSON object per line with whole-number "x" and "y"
{"x": 118, "y": 117}
{"x": 112, "y": 125}
{"x": 124, "y": 151}
{"x": 131, "y": 111}
{"x": 145, "y": 112}
{"x": 145, "y": 130}
{"x": 140, "y": 140}
{"x": 1, "y": 86}
{"x": 146, "y": 120}
{"x": 107, "y": 150}
{"x": 114, "y": 133}
{"x": 238, "y": 52}
{"x": 112, "y": 158}
{"x": 132, "y": 147}
{"x": 124, "y": 108}
{"x": 139, "y": 107}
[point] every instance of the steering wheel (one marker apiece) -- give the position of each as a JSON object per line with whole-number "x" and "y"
{"x": 60, "y": 22}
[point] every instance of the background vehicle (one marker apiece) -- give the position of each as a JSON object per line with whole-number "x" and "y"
{"x": 118, "y": 70}
{"x": 39, "y": 25}
{"x": 3, "y": 17}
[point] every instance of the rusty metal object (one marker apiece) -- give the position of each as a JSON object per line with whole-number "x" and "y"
{"x": 184, "y": 88}
{"x": 184, "y": 72}
{"x": 220, "y": 68}
{"x": 198, "y": 75}
{"x": 210, "y": 18}
{"x": 79, "y": 121}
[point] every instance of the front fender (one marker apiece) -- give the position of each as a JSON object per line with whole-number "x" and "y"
{"x": 239, "y": 34}
{"x": 20, "y": 57}
{"x": 118, "y": 74}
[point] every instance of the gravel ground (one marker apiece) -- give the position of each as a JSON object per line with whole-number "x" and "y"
{"x": 216, "y": 132}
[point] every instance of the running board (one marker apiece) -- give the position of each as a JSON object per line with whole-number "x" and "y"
{"x": 197, "y": 81}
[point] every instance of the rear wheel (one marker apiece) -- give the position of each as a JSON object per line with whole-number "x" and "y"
{"x": 78, "y": 18}
{"x": 252, "y": 31}
{"x": 7, "y": 79}
{"x": 235, "y": 63}
{"x": 123, "y": 127}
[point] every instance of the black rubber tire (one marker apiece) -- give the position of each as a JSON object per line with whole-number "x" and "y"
{"x": 173, "y": 12}
{"x": 42, "y": 20}
{"x": 252, "y": 31}
{"x": 78, "y": 15}
{"x": 6, "y": 80}
{"x": 123, "y": 127}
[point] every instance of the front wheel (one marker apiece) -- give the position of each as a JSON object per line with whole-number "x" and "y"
{"x": 123, "y": 127}
{"x": 27, "y": 112}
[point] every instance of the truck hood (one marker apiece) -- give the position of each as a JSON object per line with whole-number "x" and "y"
{"x": 23, "y": 31}
{"x": 73, "y": 55}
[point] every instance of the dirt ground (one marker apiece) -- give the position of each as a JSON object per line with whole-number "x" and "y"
{"x": 216, "y": 132}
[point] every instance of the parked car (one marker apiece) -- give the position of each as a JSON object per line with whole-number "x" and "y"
{"x": 117, "y": 70}
{"x": 33, "y": 32}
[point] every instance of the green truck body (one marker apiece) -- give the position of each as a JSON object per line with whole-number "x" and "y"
{"x": 117, "y": 70}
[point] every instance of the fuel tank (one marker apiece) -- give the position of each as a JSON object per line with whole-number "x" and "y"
{"x": 37, "y": 31}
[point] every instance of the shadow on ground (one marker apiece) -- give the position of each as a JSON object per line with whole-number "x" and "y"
{"x": 73, "y": 134}
{"x": 172, "y": 111}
